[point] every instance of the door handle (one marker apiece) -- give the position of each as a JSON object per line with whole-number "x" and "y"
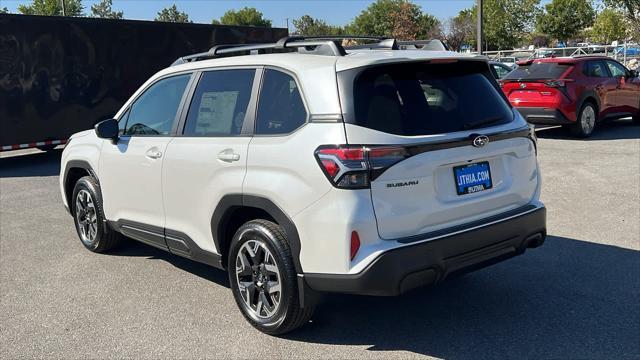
{"x": 228, "y": 155}
{"x": 154, "y": 153}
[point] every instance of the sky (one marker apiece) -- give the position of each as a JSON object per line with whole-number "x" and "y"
{"x": 334, "y": 12}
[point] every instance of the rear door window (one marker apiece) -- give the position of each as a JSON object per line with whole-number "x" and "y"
{"x": 595, "y": 69}
{"x": 538, "y": 71}
{"x": 219, "y": 103}
{"x": 423, "y": 99}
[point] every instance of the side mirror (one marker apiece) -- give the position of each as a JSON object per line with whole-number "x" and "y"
{"x": 107, "y": 129}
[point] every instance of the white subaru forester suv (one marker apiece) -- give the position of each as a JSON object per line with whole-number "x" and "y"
{"x": 314, "y": 168}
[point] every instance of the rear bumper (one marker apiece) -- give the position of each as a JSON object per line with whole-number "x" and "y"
{"x": 544, "y": 116}
{"x": 428, "y": 262}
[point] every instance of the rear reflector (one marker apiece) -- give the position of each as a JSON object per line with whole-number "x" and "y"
{"x": 355, "y": 244}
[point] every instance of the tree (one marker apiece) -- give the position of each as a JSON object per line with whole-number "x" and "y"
{"x": 52, "y": 8}
{"x": 4, "y": 10}
{"x": 461, "y": 30}
{"x": 247, "y": 16}
{"x": 507, "y": 22}
{"x": 404, "y": 24}
{"x": 631, "y": 8}
{"x": 308, "y": 26}
{"x": 538, "y": 40}
{"x": 429, "y": 27}
{"x": 564, "y": 19}
{"x": 103, "y": 10}
{"x": 171, "y": 14}
{"x": 609, "y": 26}
{"x": 631, "y": 11}
{"x": 379, "y": 19}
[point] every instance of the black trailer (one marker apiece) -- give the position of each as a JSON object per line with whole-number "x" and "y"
{"x": 59, "y": 75}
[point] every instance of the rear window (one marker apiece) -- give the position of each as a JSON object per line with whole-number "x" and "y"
{"x": 538, "y": 70}
{"x": 425, "y": 99}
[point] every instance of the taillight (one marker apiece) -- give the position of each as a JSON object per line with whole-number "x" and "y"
{"x": 557, "y": 83}
{"x": 353, "y": 167}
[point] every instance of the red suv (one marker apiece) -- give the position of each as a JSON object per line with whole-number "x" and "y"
{"x": 576, "y": 92}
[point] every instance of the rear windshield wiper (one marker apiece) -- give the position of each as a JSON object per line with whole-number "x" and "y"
{"x": 481, "y": 123}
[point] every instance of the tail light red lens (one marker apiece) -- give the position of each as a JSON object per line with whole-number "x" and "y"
{"x": 557, "y": 83}
{"x": 353, "y": 167}
{"x": 330, "y": 167}
{"x": 346, "y": 153}
{"x": 355, "y": 244}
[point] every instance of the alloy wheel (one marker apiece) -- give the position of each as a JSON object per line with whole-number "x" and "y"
{"x": 588, "y": 120}
{"x": 258, "y": 279}
{"x": 86, "y": 217}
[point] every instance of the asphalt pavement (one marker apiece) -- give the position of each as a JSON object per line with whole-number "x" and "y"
{"x": 578, "y": 296}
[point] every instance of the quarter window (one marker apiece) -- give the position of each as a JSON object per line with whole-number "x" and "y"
{"x": 154, "y": 112}
{"x": 616, "y": 69}
{"x": 220, "y": 103}
{"x": 280, "y": 108}
{"x": 500, "y": 71}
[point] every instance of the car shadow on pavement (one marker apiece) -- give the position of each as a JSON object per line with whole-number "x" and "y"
{"x": 567, "y": 299}
{"x": 31, "y": 164}
{"x": 612, "y": 130}
{"x": 134, "y": 248}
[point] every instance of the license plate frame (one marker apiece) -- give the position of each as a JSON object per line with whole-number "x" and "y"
{"x": 471, "y": 178}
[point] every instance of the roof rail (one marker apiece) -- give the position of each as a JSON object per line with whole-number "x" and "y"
{"x": 321, "y": 45}
{"x": 380, "y": 42}
{"x": 325, "y": 45}
{"x": 432, "y": 45}
{"x": 340, "y": 37}
{"x": 385, "y": 44}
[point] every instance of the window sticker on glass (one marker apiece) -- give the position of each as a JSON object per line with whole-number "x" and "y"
{"x": 215, "y": 114}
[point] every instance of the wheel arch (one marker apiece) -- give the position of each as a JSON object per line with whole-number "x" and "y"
{"x": 589, "y": 96}
{"x": 73, "y": 171}
{"x": 233, "y": 210}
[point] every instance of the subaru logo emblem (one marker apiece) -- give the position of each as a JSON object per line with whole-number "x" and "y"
{"x": 480, "y": 141}
{"x": 523, "y": 85}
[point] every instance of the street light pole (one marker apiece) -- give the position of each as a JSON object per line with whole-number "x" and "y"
{"x": 64, "y": 12}
{"x": 479, "y": 27}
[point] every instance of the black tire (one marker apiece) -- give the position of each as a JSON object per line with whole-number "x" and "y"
{"x": 287, "y": 315}
{"x": 586, "y": 121}
{"x": 104, "y": 239}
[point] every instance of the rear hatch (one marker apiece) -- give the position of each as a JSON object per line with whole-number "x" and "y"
{"x": 444, "y": 148}
{"x": 536, "y": 83}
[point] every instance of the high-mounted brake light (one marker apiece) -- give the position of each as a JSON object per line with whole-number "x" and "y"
{"x": 442, "y": 61}
{"x": 353, "y": 167}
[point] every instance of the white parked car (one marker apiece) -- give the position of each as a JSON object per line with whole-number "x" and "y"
{"x": 318, "y": 170}
{"x": 509, "y": 61}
